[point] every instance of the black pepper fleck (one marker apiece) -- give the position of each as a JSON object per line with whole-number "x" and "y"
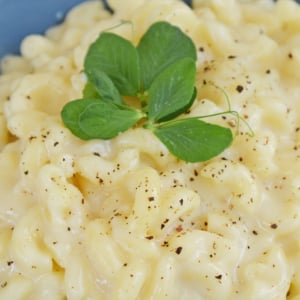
{"x": 274, "y": 226}
{"x": 178, "y": 250}
{"x": 239, "y": 88}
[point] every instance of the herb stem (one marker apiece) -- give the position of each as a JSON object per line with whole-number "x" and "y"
{"x": 151, "y": 125}
{"x": 231, "y": 112}
{"x": 144, "y": 100}
{"x": 122, "y": 22}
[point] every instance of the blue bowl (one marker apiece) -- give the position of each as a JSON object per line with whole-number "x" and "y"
{"x": 19, "y": 18}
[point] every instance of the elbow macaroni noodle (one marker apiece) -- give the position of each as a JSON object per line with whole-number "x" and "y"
{"x": 124, "y": 219}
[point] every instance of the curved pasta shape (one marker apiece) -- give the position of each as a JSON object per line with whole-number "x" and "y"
{"x": 28, "y": 250}
{"x": 125, "y": 219}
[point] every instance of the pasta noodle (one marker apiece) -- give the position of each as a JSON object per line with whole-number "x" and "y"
{"x": 123, "y": 218}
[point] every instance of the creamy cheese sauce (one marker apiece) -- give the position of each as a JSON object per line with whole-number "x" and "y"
{"x": 124, "y": 219}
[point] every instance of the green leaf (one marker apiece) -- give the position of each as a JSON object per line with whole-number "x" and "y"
{"x": 70, "y": 116}
{"x": 105, "y": 120}
{"x": 193, "y": 140}
{"x": 172, "y": 90}
{"x": 118, "y": 58}
{"x": 104, "y": 86}
{"x": 183, "y": 109}
{"x": 161, "y": 46}
{"x": 90, "y": 91}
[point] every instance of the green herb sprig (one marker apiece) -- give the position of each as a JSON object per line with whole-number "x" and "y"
{"x": 159, "y": 75}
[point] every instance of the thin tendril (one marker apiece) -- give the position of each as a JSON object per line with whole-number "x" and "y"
{"x": 121, "y": 23}
{"x": 223, "y": 92}
{"x": 232, "y": 112}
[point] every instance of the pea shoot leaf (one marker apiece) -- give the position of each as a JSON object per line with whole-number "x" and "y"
{"x": 172, "y": 89}
{"x": 90, "y": 91}
{"x": 71, "y": 113}
{"x": 104, "y": 86}
{"x": 105, "y": 120}
{"x": 181, "y": 110}
{"x": 95, "y": 118}
{"x": 118, "y": 59}
{"x": 193, "y": 140}
{"x": 162, "y": 45}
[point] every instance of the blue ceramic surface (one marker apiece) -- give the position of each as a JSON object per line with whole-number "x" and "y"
{"x": 19, "y": 18}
